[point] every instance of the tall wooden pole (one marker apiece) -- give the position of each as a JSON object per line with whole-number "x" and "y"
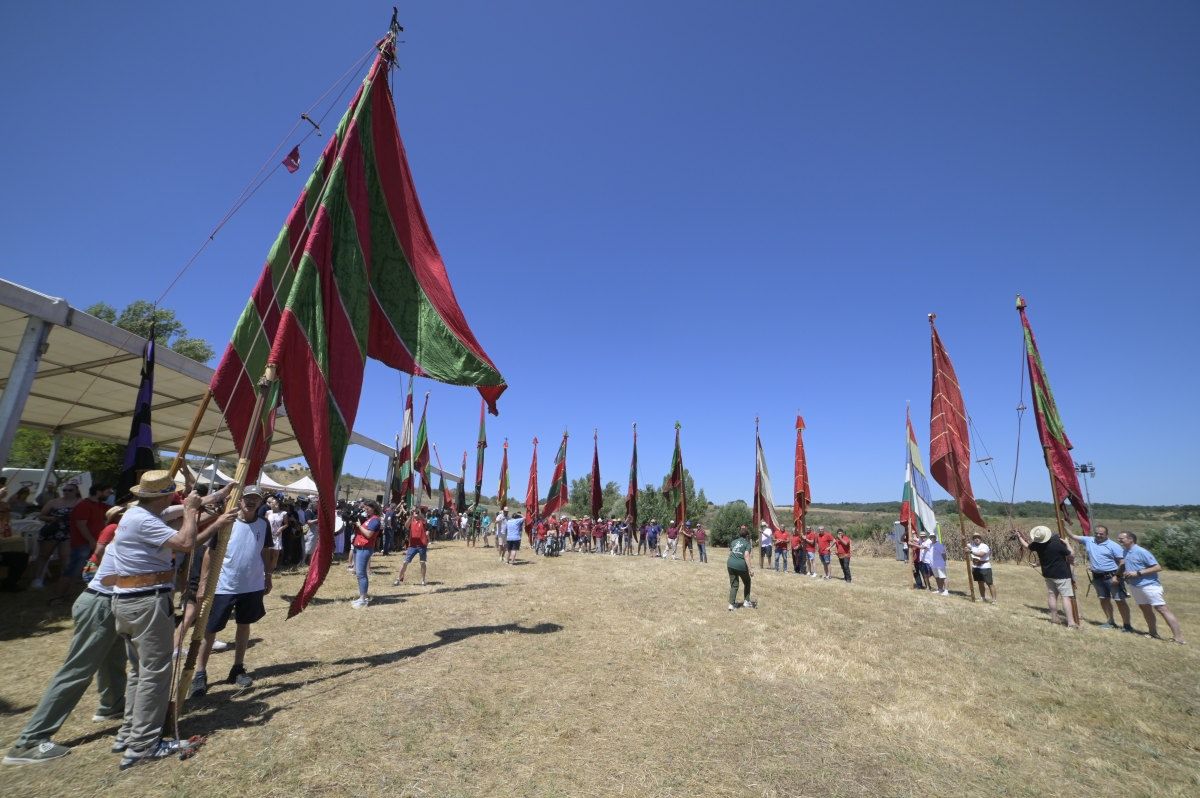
{"x": 962, "y": 533}
{"x": 1062, "y": 534}
{"x": 177, "y": 463}
{"x": 222, "y": 541}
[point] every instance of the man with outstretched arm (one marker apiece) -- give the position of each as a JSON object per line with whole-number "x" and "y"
{"x": 1105, "y": 558}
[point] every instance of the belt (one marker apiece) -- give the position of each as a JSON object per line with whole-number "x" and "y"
{"x": 95, "y": 592}
{"x": 141, "y": 593}
{"x": 139, "y": 580}
{"x": 1103, "y": 574}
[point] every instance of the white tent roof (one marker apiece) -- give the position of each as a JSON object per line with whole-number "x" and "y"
{"x": 265, "y": 481}
{"x": 88, "y": 378}
{"x": 302, "y": 485}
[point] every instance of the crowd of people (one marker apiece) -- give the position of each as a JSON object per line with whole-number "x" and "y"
{"x": 130, "y": 559}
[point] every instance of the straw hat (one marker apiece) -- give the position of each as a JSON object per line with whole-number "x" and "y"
{"x": 154, "y": 485}
{"x": 114, "y": 511}
{"x": 1040, "y": 534}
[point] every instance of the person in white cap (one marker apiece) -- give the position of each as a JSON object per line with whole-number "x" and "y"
{"x": 1053, "y": 555}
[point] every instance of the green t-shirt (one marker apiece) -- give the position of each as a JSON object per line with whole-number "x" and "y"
{"x": 737, "y": 554}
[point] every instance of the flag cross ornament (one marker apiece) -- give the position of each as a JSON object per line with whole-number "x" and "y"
{"x": 1055, "y": 444}
{"x": 354, "y": 274}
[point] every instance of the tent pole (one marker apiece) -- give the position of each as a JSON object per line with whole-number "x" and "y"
{"x": 20, "y": 381}
{"x": 55, "y": 442}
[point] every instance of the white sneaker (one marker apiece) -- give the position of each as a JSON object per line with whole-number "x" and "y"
{"x": 219, "y": 645}
{"x": 732, "y": 608}
{"x": 944, "y": 593}
{"x": 814, "y": 576}
{"x": 359, "y": 604}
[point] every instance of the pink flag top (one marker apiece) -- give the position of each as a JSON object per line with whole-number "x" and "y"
{"x": 292, "y": 161}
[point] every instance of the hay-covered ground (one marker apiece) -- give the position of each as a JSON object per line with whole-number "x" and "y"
{"x": 590, "y": 675}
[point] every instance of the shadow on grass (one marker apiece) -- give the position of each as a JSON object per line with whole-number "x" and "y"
{"x": 8, "y": 709}
{"x": 1046, "y": 612}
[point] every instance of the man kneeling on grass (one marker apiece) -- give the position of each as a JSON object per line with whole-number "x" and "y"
{"x": 245, "y": 578}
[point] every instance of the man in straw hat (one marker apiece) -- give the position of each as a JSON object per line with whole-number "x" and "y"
{"x": 141, "y": 574}
{"x": 1053, "y": 555}
{"x": 95, "y": 650}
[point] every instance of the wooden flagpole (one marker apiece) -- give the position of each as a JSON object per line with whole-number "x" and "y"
{"x": 1062, "y": 534}
{"x": 177, "y": 463}
{"x": 222, "y": 541}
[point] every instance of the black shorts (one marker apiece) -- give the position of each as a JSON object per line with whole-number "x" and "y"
{"x": 982, "y": 575}
{"x": 513, "y": 545}
{"x": 244, "y": 607}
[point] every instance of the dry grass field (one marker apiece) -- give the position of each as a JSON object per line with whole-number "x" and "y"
{"x": 589, "y": 675}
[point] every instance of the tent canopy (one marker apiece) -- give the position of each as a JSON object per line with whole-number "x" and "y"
{"x": 87, "y": 380}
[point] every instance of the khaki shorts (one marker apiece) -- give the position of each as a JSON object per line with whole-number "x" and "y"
{"x": 1060, "y": 587}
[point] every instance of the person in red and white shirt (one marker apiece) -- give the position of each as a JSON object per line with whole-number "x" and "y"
{"x": 418, "y": 544}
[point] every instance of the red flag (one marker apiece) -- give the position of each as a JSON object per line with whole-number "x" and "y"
{"x": 597, "y": 495}
{"x": 949, "y": 443}
{"x": 292, "y": 161}
{"x": 801, "y": 494}
{"x": 631, "y": 491}
{"x": 558, "y": 483}
{"x": 531, "y": 495}
{"x": 1055, "y": 444}
{"x": 675, "y": 490}
{"x": 502, "y": 491}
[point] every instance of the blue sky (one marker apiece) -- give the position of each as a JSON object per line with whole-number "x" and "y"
{"x": 691, "y": 211}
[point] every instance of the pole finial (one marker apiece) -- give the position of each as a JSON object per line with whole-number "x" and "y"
{"x": 932, "y": 316}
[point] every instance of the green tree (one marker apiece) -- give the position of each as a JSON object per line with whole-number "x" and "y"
{"x": 1176, "y": 546}
{"x": 579, "y": 502}
{"x": 31, "y": 447}
{"x": 727, "y": 520}
{"x": 139, "y": 316}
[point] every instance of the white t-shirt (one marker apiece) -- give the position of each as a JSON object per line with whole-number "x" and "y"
{"x": 765, "y": 538}
{"x": 138, "y": 548}
{"x": 927, "y": 551}
{"x": 278, "y": 522}
{"x": 243, "y": 570}
{"x": 982, "y": 555}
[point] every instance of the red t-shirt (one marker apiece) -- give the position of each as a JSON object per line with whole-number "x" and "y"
{"x": 810, "y": 541}
{"x": 843, "y": 546}
{"x": 416, "y": 533}
{"x": 541, "y": 531}
{"x": 797, "y": 541}
{"x": 92, "y": 512}
{"x": 781, "y": 538}
{"x": 107, "y": 534}
{"x": 824, "y": 541}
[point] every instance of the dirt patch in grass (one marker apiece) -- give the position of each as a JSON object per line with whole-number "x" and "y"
{"x": 590, "y": 675}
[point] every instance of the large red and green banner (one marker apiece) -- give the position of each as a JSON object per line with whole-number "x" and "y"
{"x": 354, "y": 274}
{"x": 801, "y": 493}
{"x": 674, "y": 488}
{"x": 595, "y": 492}
{"x": 557, "y": 497}
{"x": 1055, "y": 444}
{"x": 631, "y": 489}
{"x": 531, "y": 494}
{"x": 949, "y": 443}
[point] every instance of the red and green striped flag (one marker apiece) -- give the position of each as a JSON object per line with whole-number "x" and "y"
{"x": 1056, "y": 446}
{"x": 595, "y": 492}
{"x": 673, "y": 489}
{"x": 480, "y": 445}
{"x": 531, "y": 495}
{"x": 354, "y": 274}
{"x": 631, "y": 490}
{"x": 558, "y": 483}
{"x": 402, "y": 472}
{"x": 502, "y": 491}
{"x": 421, "y": 451}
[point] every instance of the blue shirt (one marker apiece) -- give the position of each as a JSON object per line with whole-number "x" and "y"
{"x": 1103, "y": 556}
{"x": 1139, "y": 559}
{"x": 512, "y": 529}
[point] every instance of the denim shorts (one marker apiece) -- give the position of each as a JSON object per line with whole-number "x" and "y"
{"x": 413, "y": 551}
{"x": 1106, "y": 590}
{"x": 826, "y": 559}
